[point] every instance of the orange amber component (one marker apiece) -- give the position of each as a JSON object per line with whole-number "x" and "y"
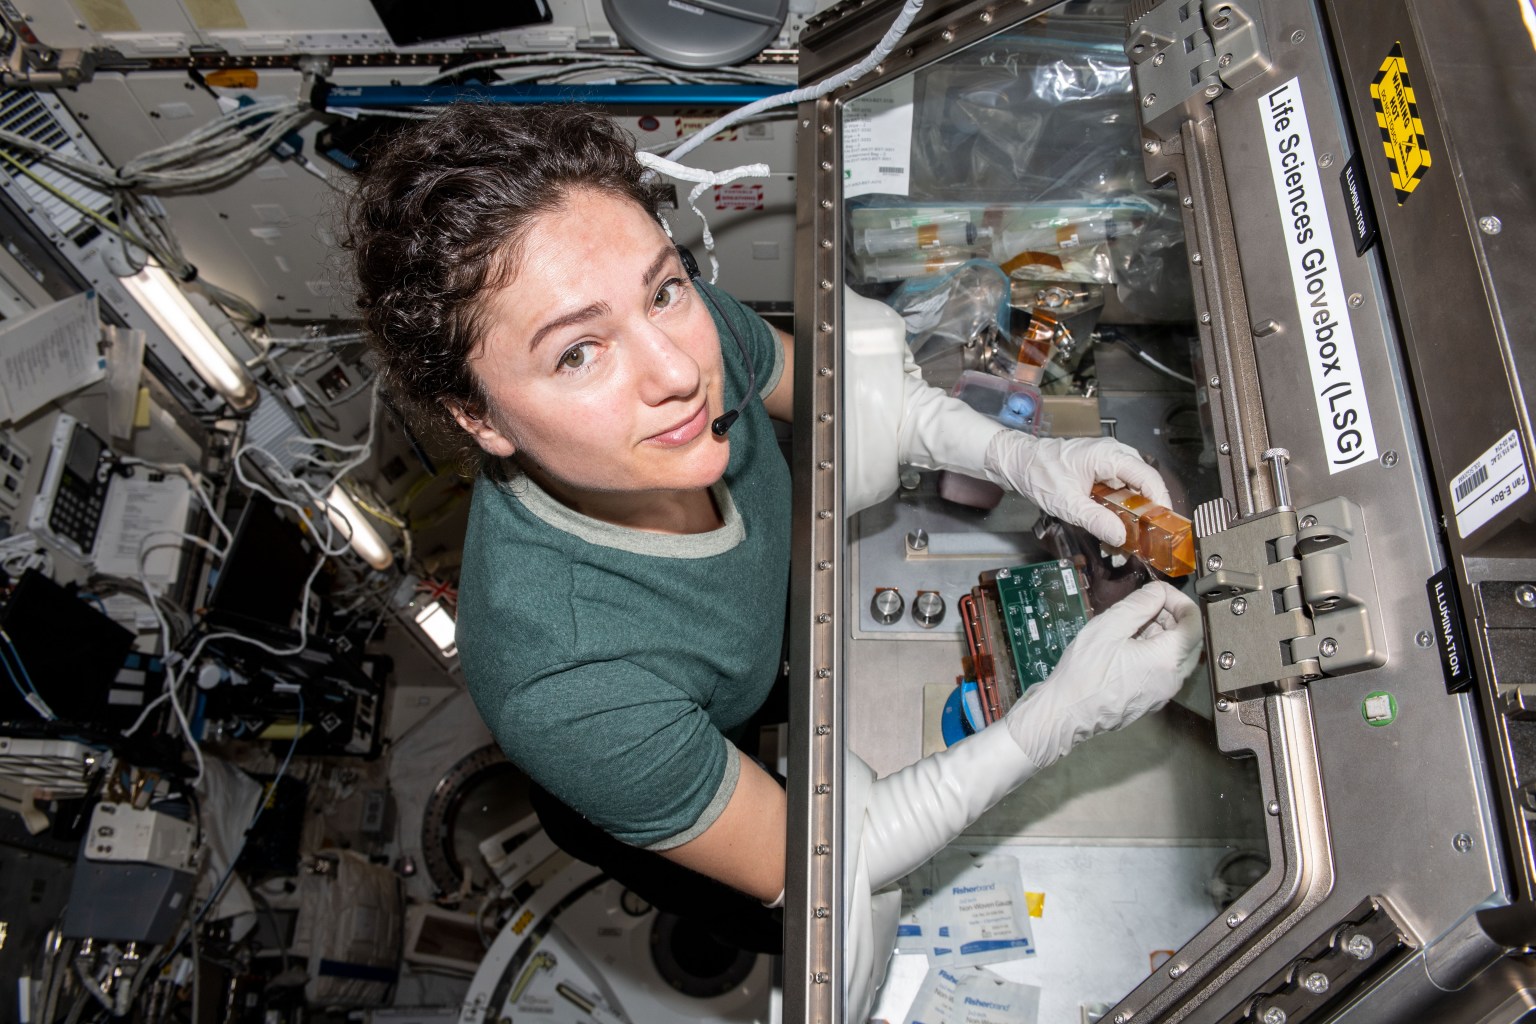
{"x": 1159, "y": 535}
{"x": 1037, "y": 345}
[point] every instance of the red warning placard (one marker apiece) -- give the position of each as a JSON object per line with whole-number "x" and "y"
{"x": 738, "y": 196}
{"x": 688, "y": 121}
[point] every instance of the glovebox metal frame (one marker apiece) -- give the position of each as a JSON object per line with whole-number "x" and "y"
{"x": 1383, "y": 834}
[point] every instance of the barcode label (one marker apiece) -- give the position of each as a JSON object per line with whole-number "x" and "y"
{"x": 1490, "y": 484}
{"x": 1034, "y": 630}
{"x": 893, "y": 170}
{"x": 1069, "y": 577}
{"x": 1469, "y": 484}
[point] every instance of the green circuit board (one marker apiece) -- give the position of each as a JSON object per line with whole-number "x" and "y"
{"x": 1044, "y": 608}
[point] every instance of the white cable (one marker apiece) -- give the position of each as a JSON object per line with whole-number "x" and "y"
{"x": 312, "y": 493}
{"x": 706, "y": 180}
{"x": 173, "y": 677}
{"x": 1160, "y": 367}
{"x": 138, "y": 723}
{"x": 323, "y": 531}
{"x": 176, "y": 674}
{"x": 205, "y": 155}
{"x": 194, "y": 480}
{"x": 879, "y": 53}
{"x": 610, "y": 62}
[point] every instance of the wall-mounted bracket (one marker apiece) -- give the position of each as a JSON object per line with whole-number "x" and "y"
{"x": 1289, "y": 594}
{"x": 1183, "y": 52}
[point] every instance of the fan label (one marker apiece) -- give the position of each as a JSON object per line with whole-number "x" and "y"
{"x": 1490, "y": 484}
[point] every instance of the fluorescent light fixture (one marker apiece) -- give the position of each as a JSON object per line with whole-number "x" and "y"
{"x": 438, "y": 624}
{"x": 346, "y": 517}
{"x": 163, "y": 300}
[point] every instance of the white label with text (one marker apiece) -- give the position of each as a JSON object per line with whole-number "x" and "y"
{"x": 1338, "y": 387}
{"x": 1490, "y": 484}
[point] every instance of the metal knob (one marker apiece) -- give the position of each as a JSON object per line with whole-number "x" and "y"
{"x": 887, "y": 605}
{"x": 928, "y": 608}
{"x": 1277, "y": 458}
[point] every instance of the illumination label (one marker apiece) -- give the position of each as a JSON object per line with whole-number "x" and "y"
{"x": 1488, "y": 486}
{"x": 1338, "y": 388}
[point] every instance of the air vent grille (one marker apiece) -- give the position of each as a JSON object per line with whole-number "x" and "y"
{"x": 25, "y": 113}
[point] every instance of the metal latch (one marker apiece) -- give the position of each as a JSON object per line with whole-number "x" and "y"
{"x": 1290, "y": 594}
{"x": 1184, "y": 51}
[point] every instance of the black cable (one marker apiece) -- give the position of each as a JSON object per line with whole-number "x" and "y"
{"x": 723, "y": 422}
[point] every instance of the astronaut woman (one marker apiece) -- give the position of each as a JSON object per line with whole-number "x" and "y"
{"x": 622, "y": 596}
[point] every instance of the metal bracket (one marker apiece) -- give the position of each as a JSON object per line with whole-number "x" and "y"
{"x": 1290, "y": 594}
{"x": 43, "y": 67}
{"x": 1250, "y": 582}
{"x": 1184, "y": 51}
{"x": 1339, "y": 585}
{"x": 1237, "y": 33}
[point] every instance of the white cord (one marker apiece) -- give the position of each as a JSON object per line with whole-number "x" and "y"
{"x": 612, "y": 62}
{"x": 706, "y": 180}
{"x": 173, "y": 674}
{"x": 323, "y": 530}
{"x": 194, "y": 480}
{"x": 813, "y": 92}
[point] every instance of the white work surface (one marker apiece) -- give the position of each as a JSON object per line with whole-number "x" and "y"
{"x": 1110, "y": 913}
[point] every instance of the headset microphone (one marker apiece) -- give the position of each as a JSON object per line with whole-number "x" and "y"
{"x": 720, "y": 424}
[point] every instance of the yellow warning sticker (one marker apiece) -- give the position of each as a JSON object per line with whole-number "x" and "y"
{"x": 1402, "y": 133}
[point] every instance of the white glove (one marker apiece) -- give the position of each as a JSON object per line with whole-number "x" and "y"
{"x": 895, "y": 419}
{"x": 1127, "y": 661}
{"x": 1058, "y": 473}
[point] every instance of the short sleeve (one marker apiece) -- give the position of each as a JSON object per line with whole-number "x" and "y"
{"x": 761, "y": 341}
{"x": 623, "y": 748}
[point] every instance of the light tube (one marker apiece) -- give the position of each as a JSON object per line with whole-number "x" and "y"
{"x": 163, "y": 300}
{"x": 366, "y": 541}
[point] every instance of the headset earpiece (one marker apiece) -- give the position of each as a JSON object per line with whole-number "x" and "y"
{"x": 723, "y": 422}
{"x": 690, "y": 265}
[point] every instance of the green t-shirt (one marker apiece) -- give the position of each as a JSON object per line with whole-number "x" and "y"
{"x": 609, "y": 662}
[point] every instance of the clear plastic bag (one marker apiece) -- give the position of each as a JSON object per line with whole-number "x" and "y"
{"x": 894, "y": 239}
{"x": 1037, "y": 133}
{"x": 963, "y": 308}
{"x": 1027, "y": 118}
{"x": 1150, "y": 272}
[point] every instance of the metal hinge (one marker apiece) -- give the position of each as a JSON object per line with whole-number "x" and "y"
{"x": 1290, "y": 594}
{"x": 1183, "y": 52}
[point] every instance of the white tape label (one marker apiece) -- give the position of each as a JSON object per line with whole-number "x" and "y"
{"x": 1338, "y": 387}
{"x": 1486, "y": 487}
{"x": 877, "y": 141}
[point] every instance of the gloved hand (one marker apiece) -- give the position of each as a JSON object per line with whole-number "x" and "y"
{"x": 1058, "y": 473}
{"x": 1127, "y": 661}
{"x": 895, "y": 419}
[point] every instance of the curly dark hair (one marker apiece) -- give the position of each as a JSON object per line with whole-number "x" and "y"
{"x": 436, "y": 224}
